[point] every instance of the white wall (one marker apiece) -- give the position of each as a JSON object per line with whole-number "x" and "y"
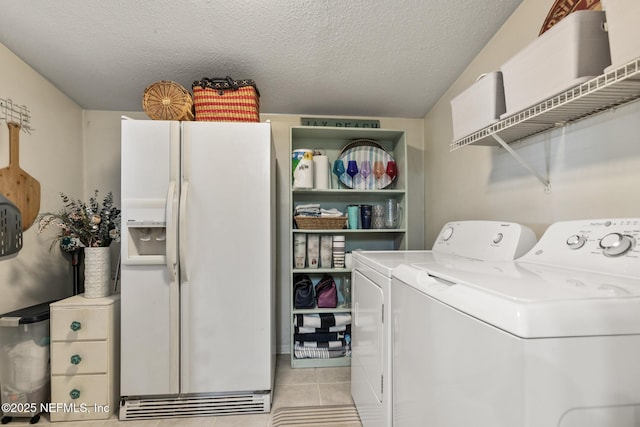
{"x": 52, "y": 154}
{"x": 593, "y": 164}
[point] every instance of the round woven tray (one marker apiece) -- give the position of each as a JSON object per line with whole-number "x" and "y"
{"x": 167, "y": 100}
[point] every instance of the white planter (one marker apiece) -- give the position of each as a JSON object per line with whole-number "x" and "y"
{"x": 97, "y": 272}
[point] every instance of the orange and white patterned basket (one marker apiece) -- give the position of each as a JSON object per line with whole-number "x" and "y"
{"x": 226, "y": 100}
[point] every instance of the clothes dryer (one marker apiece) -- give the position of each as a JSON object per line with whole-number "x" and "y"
{"x": 371, "y": 363}
{"x": 551, "y": 339}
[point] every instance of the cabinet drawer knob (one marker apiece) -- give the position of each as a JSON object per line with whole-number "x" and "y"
{"x": 76, "y": 359}
{"x": 75, "y": 326}
{"x": 75, "y": 393}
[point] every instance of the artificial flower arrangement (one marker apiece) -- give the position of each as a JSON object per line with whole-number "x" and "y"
{"x": 84, "y": 224}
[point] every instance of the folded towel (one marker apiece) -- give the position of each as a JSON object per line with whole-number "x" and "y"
{"x": 331, "y": 336}
{"x": 315, "y": 344}
{"x": 320, "y": 353}
{"x": 308, "y": 206}
{"x": 322, "y": 320}
{"x": 305, "y": 330}
{"x": 331, "y": 213}
{"x": 309, "y": 209}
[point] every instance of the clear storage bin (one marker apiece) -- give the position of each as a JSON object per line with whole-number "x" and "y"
{"x": 24, "y": 362}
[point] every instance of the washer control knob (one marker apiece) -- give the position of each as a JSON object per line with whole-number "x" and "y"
{"x": 498, "y": 238}
{"x": 616, "y": 244}
{"x": 576, "y": 241}
{"x": 447, "y": 233}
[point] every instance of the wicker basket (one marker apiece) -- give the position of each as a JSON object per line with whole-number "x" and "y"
{"x": 167, "y": 100}
{"x": 320, "y": 223}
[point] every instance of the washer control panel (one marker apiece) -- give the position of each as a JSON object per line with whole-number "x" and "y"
{"x": 447, "y": 233}
{"x": 616, "y": 244}
{"x": 485, "y": 240}
{"x": 605, "y": 245}
{"x": 576, "y": 241}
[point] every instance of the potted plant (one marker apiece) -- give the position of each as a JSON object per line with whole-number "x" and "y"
{"x": 91, "y": 227}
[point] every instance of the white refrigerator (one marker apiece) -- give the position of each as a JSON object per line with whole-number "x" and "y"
{"x": 198, "y": 268}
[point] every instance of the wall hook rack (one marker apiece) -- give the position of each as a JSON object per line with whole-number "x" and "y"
{"x": 11, "y": 112}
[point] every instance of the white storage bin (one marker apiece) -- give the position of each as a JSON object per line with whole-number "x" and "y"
{"x": 478, "y": 106}
{"x": 623, "y": 23}
{"x": 573, "y": 51}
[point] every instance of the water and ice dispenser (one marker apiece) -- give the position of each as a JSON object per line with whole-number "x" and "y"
{"x": 144, "y": 237}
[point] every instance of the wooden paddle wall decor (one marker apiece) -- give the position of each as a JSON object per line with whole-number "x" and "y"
{"x": 17, "y": 185}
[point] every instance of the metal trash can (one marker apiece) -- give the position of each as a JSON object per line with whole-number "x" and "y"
{"x": 24, "y": 362}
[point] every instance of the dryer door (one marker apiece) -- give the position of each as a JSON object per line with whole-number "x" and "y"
{"x": 367, "y": 344}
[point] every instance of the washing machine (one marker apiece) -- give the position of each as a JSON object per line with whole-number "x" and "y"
{"x": 371, "y": 299}
{"x": 551, "y": 339}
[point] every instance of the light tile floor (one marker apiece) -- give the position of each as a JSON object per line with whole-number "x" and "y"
{"x": 293, "y": 387}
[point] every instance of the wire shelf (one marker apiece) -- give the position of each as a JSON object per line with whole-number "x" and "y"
{"x": 611, "y": 89}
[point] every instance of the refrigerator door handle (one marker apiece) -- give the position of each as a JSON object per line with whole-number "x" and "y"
{"x": 182, "y": 231}
{"x": 356, "y": 314}
{"x": 172, "y": 247}
{"x": 174, "y": 291}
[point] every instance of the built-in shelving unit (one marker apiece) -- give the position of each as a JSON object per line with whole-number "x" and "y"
{"x": 331, "y": 141}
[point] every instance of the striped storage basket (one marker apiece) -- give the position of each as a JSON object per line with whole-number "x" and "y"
{"x": 226, "y": 100}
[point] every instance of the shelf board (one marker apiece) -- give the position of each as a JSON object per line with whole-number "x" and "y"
{"x": 349, "y": 230}
{"x": 611, "y": 89}
{"x": 347, "y": 191}
{"x": 321, "y": 310}
{"x": 320, "y": 270}
{"x": 320, "y": 363}
{"x": 342, "y": 133}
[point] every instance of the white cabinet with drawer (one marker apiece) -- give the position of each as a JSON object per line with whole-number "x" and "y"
{"x": 85, "y": 354}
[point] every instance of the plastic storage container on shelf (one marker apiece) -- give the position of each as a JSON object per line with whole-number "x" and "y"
{"x": 24, "y": 362}
{"x": 623, "y": 17}
{"x": 575, "y": 50}
{"x": 480, "y": 105}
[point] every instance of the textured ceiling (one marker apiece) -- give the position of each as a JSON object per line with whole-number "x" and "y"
{"x": 390, "y": 58}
